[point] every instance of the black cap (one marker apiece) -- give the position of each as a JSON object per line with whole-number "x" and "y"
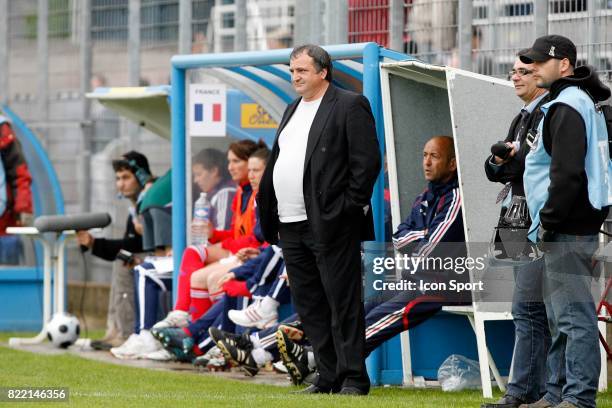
{"x": 550, "y": 46}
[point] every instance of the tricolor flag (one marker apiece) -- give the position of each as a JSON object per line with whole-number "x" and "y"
{"x": 207, "y": 112}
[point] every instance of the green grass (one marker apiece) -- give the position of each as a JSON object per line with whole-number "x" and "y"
{"x": 96, "y": 384}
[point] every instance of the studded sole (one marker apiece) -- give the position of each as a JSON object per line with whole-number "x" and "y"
{"x": 294, "y": 372}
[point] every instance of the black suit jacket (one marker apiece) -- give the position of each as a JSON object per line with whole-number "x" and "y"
{"x": 341, "y": 166}
{"x": 513, "y": 170}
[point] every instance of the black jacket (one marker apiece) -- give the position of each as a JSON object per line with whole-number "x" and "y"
{"x": 568, "y": 209}
{"x": 341, "y": 166}
{"x": 513, "y": 170}
{"x": 108, "y": 248}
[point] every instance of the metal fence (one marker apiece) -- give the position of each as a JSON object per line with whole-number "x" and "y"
{"x": 501, "y": 28}
{"x": 54, "y": 51}
{"x": 368, "y": 21}
{"x": 485, "y": 35}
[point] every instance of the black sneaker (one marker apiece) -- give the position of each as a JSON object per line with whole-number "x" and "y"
{"x": 170, "y": 337}
{"x": 101, "y": 345}
{"x": 240, "y": 356}
{"x": 294, "y": 330}
{"x": 242, "y": 341}
{"x": 295, "y": 357}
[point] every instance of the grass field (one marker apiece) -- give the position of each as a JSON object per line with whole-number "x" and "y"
{"x": 97, "y": 384}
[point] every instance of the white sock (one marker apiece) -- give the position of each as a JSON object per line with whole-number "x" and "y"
{"x": 269, "y": 305}
{"x": 255, "y": 340}
{"x": 261, "y": 356}
{"x": 312, "y": 364}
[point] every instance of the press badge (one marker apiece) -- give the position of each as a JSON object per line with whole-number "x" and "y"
{"x": 532, "y": 139}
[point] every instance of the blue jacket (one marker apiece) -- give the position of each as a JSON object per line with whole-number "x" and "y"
{"x": 568, "y": 172}
{"x": 435, "y": 217}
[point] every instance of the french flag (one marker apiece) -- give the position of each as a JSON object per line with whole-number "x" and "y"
{"x": 207, "y": 112}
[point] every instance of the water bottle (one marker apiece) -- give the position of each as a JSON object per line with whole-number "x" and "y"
{"x": 199, "y": 225}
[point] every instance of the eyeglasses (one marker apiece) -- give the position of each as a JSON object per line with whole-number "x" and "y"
{"x": 520, "y": 72}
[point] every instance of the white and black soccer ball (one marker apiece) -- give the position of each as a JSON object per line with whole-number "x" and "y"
{"x": 63, "y": 330}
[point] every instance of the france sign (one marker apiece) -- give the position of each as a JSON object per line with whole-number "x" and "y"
{"x": 207, "y": 110}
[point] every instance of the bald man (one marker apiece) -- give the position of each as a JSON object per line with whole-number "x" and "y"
{"x": 434, "y": 229}
{"x": 431, "y": 230}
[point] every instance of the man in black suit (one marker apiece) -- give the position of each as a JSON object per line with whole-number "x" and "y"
{"x": 314, "y": 199}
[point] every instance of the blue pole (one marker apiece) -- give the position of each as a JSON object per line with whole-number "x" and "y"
{"x": 254, "y": 58}
{"x": 371, "y": 90}
{"x": 179, "y": 205}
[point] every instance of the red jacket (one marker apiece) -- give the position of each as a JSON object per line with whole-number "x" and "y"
{"x": 241, "y": 233}
{"x": 18, "y": 179}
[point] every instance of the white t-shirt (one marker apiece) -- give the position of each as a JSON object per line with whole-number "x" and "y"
{"x": 289, "y": 168}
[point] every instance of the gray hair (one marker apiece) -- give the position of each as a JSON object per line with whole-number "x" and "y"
{"x": 320, "y": 58}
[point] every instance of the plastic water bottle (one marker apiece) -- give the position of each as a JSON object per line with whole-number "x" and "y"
{"x": 199, "y": 225}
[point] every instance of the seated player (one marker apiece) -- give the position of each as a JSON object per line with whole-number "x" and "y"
{"x": 255, "y": 279}
{"x": 435, "y": 219}
{"x": 154, "y": 277}
{"x": 194, "y": 301}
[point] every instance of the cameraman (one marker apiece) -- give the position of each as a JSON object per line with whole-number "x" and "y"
{"x": 132, "y": 174}
{"x": 506, "y": 165}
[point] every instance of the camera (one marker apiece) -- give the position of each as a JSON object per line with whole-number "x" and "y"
{"x": 501, "y": 150}
{"x": 126, "y": 256}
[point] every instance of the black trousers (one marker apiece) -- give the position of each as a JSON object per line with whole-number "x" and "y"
{"x": 325, "y": 282}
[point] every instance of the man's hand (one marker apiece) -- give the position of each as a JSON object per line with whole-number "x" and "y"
{"x": 135, "y": 262}
{"x": 245, "y": 254}
{"x": 85, "y": 239}
{"x": 228, "y": 276}
{"x": 545, "y": 237}
{"x": 137, "y": 225}
{"x": 503, "y": 152}
{"x": 210, "y": 229}
{"x": 284, "y": 277}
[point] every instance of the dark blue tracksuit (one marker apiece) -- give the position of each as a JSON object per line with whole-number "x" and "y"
{"x": 435, "y": 219}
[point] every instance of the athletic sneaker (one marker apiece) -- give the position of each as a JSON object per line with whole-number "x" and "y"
{"x": 181, "y": 355}
{"x": 176, "y": 318}
{"x": 294, "y": 357}
{"x": 294, "y": 330}
{"x": 254, "y": 316}
{"x": 136, "y": 346}
{"x": 237, "y": 340}
{"x": 170, "y": 337}
{"x": 279, "y": 367}
{"x": 213, "y": 359}
{"x": 160, "y": 355}
{"x": 240, "y": 356}
{"x": 127, "y": 345}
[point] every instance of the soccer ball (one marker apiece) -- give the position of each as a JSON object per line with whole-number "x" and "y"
{"x": 63, "y": 330}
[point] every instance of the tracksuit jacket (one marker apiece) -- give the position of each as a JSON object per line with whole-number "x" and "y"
{"x": 435, "y": 217}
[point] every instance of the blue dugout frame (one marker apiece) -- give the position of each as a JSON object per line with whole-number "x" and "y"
{"x": 368, "y": 54}
{"x": 20, "y": 286}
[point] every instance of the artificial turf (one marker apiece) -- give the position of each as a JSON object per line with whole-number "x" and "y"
{"x": 98, "y": 384}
